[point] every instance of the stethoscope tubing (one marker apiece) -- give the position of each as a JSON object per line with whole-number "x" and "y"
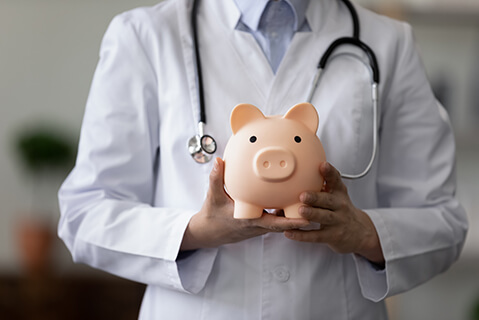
{"x": 199, "y": 72}
{"x": 327, "y": 56}
{"x": 374, "y": 102}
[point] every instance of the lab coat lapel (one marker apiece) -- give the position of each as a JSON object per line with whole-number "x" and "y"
{"x": 298, "y": 67}
{"x": 253, "y": 61}
{"x": 240, "y": 48}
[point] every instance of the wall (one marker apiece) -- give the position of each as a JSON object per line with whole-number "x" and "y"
{"x": 48, "y": 52}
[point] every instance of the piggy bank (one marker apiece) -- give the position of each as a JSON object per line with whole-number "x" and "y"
{"x": 271, "y": 160}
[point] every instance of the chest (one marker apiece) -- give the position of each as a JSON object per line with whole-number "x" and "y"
{"x": 235, "y": 71}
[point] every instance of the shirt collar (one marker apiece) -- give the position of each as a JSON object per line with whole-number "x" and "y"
{"x": 251, "y": 11}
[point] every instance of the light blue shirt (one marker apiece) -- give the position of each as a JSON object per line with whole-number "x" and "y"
{"x": 273, "y": 24}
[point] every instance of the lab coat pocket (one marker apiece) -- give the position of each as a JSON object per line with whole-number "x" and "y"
{"x": 345, "y": 106}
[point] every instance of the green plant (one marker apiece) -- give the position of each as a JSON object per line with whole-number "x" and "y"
{"x": 44, "y": 149}
{"x": 46, "y": 154}
{"x": 475, "y": 311}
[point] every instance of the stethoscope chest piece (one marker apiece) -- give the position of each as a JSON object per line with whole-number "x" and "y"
{"x": 202, "y": 146}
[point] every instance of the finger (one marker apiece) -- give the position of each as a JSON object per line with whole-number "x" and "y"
{"x": 216, "y": 189}
{"x": 322, "y": 199}
{"x": 317, "y": 236}
{"x": 322, "y": 216}
{"x": 280, "y": 224}
{"x": 331, "y": 176}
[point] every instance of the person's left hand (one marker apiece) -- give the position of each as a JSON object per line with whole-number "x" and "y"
{"x": 345, "y": 228}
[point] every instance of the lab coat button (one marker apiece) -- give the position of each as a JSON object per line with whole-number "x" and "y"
{"x": 281, "y": 274}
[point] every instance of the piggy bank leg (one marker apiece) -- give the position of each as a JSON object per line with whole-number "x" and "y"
{"x": 245, "y": 210}
{"x": 292, "y": 211}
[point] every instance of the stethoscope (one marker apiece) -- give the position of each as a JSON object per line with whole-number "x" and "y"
{"x": 203, "y": 146}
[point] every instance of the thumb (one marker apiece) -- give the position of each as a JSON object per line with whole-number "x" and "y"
{"x": 331, "y": 176}
{"x": 216, "y": 188}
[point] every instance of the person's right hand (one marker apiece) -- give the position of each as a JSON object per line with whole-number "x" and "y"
{"x": 214, "y": 224}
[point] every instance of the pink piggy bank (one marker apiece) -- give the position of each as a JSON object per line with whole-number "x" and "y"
{"x": 269, "y": 161}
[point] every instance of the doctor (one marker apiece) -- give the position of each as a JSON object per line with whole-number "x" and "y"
{"x": 136, "y": 205}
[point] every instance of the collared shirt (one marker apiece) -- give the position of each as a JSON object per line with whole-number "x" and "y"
{"x": 273, "y": 24}
{"x": 252, "y": 10}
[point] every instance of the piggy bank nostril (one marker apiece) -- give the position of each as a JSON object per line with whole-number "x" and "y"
{"x": 274, "y": 164}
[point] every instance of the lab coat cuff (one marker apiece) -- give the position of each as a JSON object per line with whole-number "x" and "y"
{"x": 176, "y": 235}
{"x": 194, "y": 270}
{"x": 189, "y": 272}
{"x": 373, "y": 280}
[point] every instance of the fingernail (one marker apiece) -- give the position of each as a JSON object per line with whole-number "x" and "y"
{"x": 289, "y": 234}
{"x": 305, "y": 197}
{"x": 216, "y": 164}
{"x": 325, "y": 167}
{"x": 303, "y": 212}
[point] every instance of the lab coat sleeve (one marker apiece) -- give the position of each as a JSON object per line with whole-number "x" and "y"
{"x": 421, "y": 225}
{"x": 107, "y": 217}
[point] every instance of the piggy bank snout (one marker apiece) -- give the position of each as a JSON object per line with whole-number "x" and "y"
{"x": 274, "y": 164}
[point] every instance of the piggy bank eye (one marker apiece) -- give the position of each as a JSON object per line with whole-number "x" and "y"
{"x": 252, "y": 139}
{"x": 297, "y": 139}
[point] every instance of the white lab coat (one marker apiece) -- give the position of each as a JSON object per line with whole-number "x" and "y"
{"x": 127, "y": 202}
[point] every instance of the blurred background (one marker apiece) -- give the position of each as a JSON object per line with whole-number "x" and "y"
{"x": 48, "y": 53}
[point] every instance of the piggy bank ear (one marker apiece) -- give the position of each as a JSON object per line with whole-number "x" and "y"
{"x": 243, "y": 114}
{"x": 306, "y": 114}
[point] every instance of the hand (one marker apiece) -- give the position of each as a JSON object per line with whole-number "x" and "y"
{"x": 345, "y": 228}
{"x": 214, "y": 224}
